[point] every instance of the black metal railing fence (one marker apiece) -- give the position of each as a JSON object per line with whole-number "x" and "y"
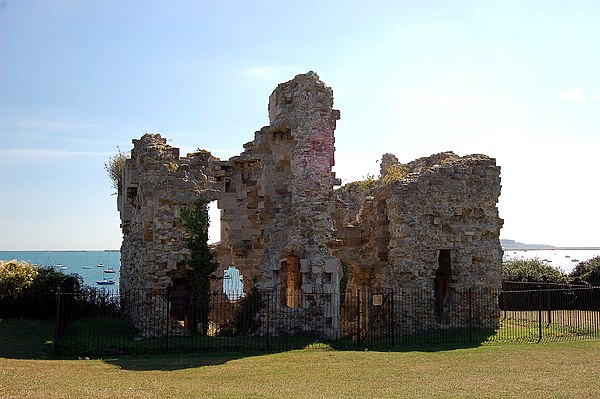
{"x": 103, "y": 322}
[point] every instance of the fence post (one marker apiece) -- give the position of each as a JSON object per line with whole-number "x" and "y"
{"x": 548, "y": 307}
{"x": 167, "y": 320}
{"x": 503, "y": 292}
{"x": 393, "y": 325}
{"x": 358, "y": 317}
{"x": 470, "y": 314}
{"x": 268, "y": 318}
{"x": 539, "y": 313}
{"x": 57, "y": 322}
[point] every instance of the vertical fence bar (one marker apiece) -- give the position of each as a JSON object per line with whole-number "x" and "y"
{"x": 268, "y": 319}
{"x": 504, "y": 294}
{"x": 57, "y": 322}
{"x": 539, "y": 313}
{"x": 548, "y": 307}
{"x": 358, "y": 317}
{"x": 470, "y": 314}
{"x": 166, "y": 319}
{"x": 393, "y": 324}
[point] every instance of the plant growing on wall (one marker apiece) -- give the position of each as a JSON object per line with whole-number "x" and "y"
{"x": 344, "y": 280}
{"x": 114, "y": 167}
{"x": 395, "y": 173}
{"x": 202, "y": 261}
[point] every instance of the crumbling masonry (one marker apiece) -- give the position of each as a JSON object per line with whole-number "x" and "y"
{"x": 431, "y": 224}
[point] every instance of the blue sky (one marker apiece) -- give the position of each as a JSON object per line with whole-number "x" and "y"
{"x": 516, "y": 80}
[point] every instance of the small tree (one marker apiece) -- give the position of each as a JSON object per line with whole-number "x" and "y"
{"x": 114, "y": 167}
{"x": 202, "y": 261}
{"x": 531, "y": 270}
{"x": 16, "y": 278}
{"x": 587, "y": 271}
{"x": 28, "y": 290}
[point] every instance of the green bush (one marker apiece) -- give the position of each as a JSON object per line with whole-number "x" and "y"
{"x": 532, "y": 270}
{"x": 27, "y": 290}
{"x": 15, "y": 279}
{"x": 587, "y": 271}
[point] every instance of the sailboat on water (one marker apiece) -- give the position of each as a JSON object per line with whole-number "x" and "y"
{"x": 105, "y": 281}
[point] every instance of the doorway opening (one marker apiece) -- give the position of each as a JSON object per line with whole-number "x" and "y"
{"x": 442, "y": 283}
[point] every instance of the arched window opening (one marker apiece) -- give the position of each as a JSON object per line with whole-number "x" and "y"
{"x": 233, "y": 285}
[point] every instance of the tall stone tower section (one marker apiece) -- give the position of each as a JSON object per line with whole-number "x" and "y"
{"x": 157, "y": 184}
{"x": 298, "y": 262}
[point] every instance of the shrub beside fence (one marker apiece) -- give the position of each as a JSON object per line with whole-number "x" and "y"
{"x": 95, "y": 323}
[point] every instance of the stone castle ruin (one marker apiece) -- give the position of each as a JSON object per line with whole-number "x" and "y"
{"x": 431, "y": 224}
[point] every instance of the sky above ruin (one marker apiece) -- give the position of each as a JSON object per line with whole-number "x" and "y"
{"x": 516, "y": 80}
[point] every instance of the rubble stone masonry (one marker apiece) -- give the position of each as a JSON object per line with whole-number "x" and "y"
{"x": 431, "y": 224}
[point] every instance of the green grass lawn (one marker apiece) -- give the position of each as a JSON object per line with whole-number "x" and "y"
{"x": 549, "y": 370}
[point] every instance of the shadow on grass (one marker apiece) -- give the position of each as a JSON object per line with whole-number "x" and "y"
{"x": 26, "y": 339}
{"x": 171, "y": 362}
{"x": 215, "y": 356}
{"x": 424, "y": 343}
{"x": 176, "y": 362}
{"x": 32, "y": 339}
{"x": 113, "y": 338}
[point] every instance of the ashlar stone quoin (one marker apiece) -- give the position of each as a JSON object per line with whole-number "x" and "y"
{"x": 430, "y": 225}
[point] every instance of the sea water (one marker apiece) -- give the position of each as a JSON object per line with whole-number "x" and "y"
{"x": 90, "y": 265}
{"x": 563, "y": 259}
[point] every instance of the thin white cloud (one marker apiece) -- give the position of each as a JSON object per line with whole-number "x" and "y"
{"x": 454, "y": 100}
{"x": 573, "y": 94}
{"x": 45, "y": 153}
{"x": 55, "y": 125}
{"x": 460, "y": 123}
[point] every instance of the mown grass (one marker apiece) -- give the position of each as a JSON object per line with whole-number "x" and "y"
{"x": 548, "y": 370}
{"x": 26, "y": 339}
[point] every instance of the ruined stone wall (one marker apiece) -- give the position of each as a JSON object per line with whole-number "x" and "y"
{"x": 157, "y": 183}
{"x": 276, "y": 199}
{"x": 430, "y": 225}
{"x": 436, "y": 230}
{"x": 449, "y": 206}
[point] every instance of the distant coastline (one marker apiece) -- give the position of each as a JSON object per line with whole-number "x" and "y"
{"x": 534, "y": 248}
{"x": 511, "y": 245}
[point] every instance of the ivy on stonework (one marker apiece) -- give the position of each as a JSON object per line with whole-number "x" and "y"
{"x": 202, "y": 263}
